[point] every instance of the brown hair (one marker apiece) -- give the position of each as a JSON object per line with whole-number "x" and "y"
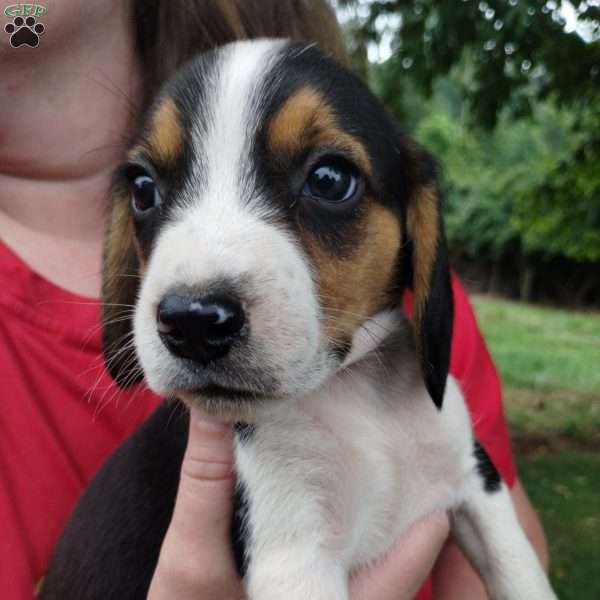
{"x": 169, "y": 32}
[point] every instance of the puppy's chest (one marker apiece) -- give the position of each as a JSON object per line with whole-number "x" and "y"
{"x": 350, "y": 464}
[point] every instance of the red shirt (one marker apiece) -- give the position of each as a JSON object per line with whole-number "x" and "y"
{"x": 61, "y": 415}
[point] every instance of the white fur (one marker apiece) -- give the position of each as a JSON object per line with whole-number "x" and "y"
{"x": 340, "y": 463}
{"x": 221, "y": 233}
{"x": 334, "y": 480}
{"x": 371, "y": 334}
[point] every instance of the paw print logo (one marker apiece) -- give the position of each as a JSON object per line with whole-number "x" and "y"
{"x": 24, "y": 32}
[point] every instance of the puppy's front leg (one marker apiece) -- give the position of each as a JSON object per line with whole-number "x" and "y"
{"x": 295, "y": 572}
{"x": 487, "y": 529}
{"x": 294, "y": 543}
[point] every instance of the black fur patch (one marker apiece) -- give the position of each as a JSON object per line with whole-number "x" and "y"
{"x": 110, "y": 546}
{"x": 486, "y": 468}
{"x": 436, "y": 326}
{"x": 238, "y": 529}
{"x": 358, "y": 112}
{"x": 188, "y": 90}
{"x": 244, "y": 431}
{"x": 341, "y": 349}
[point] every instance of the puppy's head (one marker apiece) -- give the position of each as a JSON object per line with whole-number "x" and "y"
{"x": 274, "y": 215}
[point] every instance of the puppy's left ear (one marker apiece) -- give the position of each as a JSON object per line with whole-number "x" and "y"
{"x": 120, "y": 281}
{"x": 431, "y": 283}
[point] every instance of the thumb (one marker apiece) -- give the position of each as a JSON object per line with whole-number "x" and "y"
{"x": 196, "y": 554}
{"x": 204, "y": 498}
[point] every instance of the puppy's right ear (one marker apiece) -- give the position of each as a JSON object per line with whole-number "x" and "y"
{"x": 430, "y": 270}
{"x": 120, "y": 282}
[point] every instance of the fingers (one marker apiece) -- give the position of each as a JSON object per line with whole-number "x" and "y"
{"x": 196, "y": 559}
{"x": 400, "y": 575}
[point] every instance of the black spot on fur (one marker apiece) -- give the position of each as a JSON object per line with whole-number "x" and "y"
{"x": 238, "y": 528}
{"x": 244, "y": 431}
{"x": 341, "y": 349}
{"x": 487, "y": 469}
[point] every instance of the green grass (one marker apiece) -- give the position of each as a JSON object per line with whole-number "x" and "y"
{"x": 564, "y": 488}
{"x": 538, "y": 347}
{"x": 549, "y": 361}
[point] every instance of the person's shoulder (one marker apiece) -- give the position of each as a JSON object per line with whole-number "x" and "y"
{"x": 472, "y": 365}
{"x": 466, "y": 337}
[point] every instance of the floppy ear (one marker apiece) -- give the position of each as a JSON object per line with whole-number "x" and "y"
{"x": 433, "y": 301}
{"x": 120, "y": 280}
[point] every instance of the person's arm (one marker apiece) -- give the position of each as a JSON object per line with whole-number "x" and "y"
{"x": 453, "y": 576}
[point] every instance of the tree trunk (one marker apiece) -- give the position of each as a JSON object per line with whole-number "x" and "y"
{"x": 526, "y": 284}
{"x": 495, "y": 280}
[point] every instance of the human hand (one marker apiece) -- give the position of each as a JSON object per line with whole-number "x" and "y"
{"x": 196, "y": 561}
{"x": 402, "y": 572}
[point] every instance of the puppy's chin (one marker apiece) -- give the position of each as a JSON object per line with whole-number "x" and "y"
{"x": 231, "y": 406}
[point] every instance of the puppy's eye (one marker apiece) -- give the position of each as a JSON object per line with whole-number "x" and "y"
{"x": 331, "y": 182}
{"x": 145, "y": 196}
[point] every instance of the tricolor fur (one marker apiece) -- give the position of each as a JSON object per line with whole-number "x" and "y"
{"x": 349, "y": 428}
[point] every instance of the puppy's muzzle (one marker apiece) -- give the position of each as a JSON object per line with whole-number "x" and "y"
{"x": 202, "y": 329}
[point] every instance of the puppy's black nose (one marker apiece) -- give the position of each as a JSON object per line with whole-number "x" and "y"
{"x": 203, "y": 329}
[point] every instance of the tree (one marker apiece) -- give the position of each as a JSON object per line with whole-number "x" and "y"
{"x": 513, "y": 50}
{"x": 513, "y": 113}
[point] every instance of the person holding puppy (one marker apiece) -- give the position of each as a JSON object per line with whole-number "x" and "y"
{"x": 68, "y": 108}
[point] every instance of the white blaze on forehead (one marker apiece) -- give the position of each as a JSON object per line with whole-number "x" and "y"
{"x": 234, "y": 108}
{"x": 220, "y": 232}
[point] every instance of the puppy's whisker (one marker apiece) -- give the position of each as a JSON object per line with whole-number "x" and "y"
{"x": 374, "y": 327}
{"x": 70, "y": 302}
{"x": 132, "y": 275}
{"x": 110, "y": 85}
{"x": 115, "y": 355}
{"x": 126, "y": 340}
{"x": 128, "y": 275}
{"x": 97, "y": 363}
{"x": 134, "y": 373}
{"x": 117, "y": 391}
{"x": 334, "y": 311}
{"x": 93, "y": 330}
{"x": 117, "y": 145}
{"x": 115, "y": 304}
{"x": 141, "y": 388}
{"x": 336, "y": 320}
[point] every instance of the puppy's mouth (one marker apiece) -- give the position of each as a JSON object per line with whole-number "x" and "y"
{"x": 218, "y": 392}
{"x": 214, "y": 395}
{"x": 229, "y": 403}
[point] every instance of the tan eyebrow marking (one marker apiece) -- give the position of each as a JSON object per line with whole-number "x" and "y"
{"x": 306, "y": 119}
{"x": 164, "y": 139}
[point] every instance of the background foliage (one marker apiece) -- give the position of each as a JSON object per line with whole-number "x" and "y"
{"x": 507, "y": 96}
{"x": 548, "y": 359}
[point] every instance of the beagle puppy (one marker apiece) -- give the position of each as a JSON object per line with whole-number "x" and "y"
{"x": 265, "y": 225}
